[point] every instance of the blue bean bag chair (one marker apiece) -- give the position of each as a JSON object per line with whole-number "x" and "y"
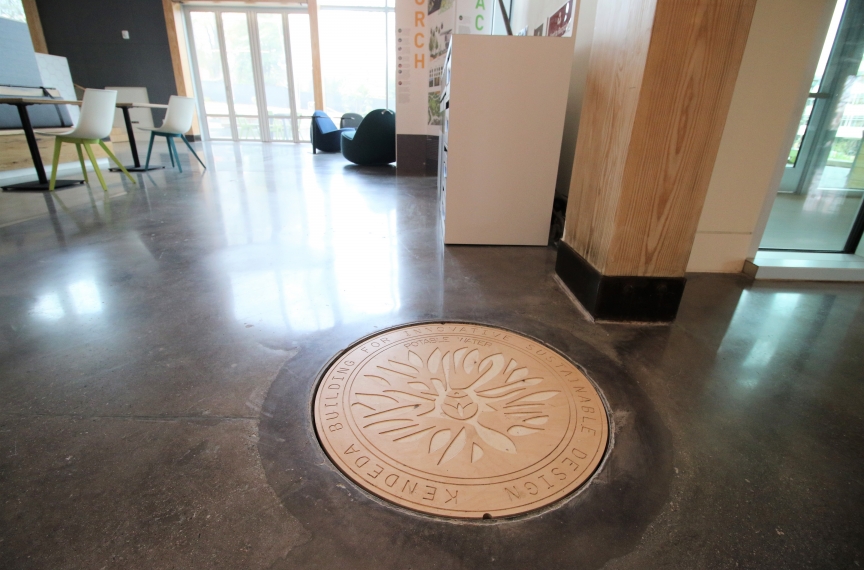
{"x": 325, "y": 135}
{"x": 374, "y": 142}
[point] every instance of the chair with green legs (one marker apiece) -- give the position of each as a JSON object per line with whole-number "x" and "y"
{"x": 178, "y": 120}
{"x": 94, "y": 124}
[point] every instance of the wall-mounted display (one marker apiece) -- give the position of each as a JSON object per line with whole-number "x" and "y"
{"x": 423, "y": 34}
{"x": 559, "y": 23}
{"x": 435, "y": 108}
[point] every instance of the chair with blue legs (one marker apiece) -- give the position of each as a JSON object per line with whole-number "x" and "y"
{"x": 178, "y": 120}
{"x": 94, "y": 124}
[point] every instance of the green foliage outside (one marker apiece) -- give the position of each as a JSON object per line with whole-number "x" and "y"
{"x": 843, "y": 152}
{"x": 350, "y": 98}
{"x": 435, "y": 108}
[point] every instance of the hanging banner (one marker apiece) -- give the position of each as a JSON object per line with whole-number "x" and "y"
{"x": 474, "y": 16}
{"x": 412, "y": 36}
{"x": 423, "y": 32}
{"x": 440, "y": 19}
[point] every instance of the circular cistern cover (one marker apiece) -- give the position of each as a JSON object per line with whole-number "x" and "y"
{"x": 460, "y": 420}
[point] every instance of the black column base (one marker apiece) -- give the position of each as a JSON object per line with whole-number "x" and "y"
{"x": 411, "y": 154}
{"x": 619, "y": 297}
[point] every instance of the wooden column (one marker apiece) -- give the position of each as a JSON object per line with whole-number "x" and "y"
{"x": 659, "y": 85}
{"x": 37, "y": 36}
{"x": 317, "y": 82}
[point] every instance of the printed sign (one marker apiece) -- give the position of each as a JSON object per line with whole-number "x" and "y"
{"x": 559, "y": 22}
{"x": 423, "y": 32}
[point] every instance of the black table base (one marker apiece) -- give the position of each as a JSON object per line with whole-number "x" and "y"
{"x": 36, "y": 186}
{"x": 42, "y": 184}
{"x": 137, "y": 168}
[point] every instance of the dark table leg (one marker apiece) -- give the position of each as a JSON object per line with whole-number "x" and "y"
{"x": 31, "y": 142}
{"x": 42, "y": 183}
{"x": 133, "y": 145}
{"x": 131, "y": 134}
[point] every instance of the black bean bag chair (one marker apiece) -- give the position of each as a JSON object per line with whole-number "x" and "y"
{"x": 374, "y": 142}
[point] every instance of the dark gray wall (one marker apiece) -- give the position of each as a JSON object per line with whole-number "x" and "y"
{"x": 87, "y": 33}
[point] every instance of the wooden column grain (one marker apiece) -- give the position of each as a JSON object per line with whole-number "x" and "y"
{"x": 317, "y": 81}
{"x": 622, "y": 33}
{"x": 37, "y": 35}
{"x": 659, "y": 86}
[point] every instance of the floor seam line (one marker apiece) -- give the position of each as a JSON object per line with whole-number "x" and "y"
{"x": 130, "y": 417}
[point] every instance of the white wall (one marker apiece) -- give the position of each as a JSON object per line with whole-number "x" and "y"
{"x": 532, "y": 13}
{"x": 583, "y": 35}
{"x": 54, "y": 71}
{"x": 783, "y": 47}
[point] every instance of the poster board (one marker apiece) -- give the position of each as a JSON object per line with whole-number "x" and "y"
{"x": 560, "y": 23}
{"x": 423, "y": 32}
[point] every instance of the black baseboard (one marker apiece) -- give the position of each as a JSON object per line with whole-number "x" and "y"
{"x": 431, "y": 155}
{"x": 411, "y": 154}
{"x": 417, "y": 154}
{"x": 619, "y": 297}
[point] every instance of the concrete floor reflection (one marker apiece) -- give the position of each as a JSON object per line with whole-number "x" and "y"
{"x": 151, "y": 343}
{"x": 314, "y": 254}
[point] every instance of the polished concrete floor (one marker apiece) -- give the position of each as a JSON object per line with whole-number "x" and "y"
{"x": 820, "y": 220}
{"x": 160, "y": 344}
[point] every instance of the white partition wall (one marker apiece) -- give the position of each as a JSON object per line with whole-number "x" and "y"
{"x": 503, "y": 121}
{"x": 55, "y": 73}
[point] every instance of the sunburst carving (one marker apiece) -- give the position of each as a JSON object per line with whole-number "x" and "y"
{"x": 459, "y": 405}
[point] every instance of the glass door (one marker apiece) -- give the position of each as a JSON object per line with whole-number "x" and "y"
{"x": 818, "y": 207}
{"x": 276, "y": 77}
{"x": 254, "y": 77}
{"x": 815, "y": 112}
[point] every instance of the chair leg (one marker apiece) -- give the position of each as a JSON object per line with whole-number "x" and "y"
{"x": 95, "y": 166}
{"x": 193, "y": 151}
{"x": 173, "y": 149}
{"x": 149, "y": 150}
{"x": 170, "y": 151}
{"x": 176, "y": 154}
{"x": 57, "y": 143}
{"x": 81, "y": 160}
{"x": 117, "y": 162}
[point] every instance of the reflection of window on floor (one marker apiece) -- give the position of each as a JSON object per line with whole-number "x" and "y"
{"x": 79, "y": 298}
{"x": 819, "y": 220}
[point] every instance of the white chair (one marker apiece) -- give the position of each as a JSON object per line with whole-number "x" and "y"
{"x": 178, "y": 120}
{"x": 94, "y": 124}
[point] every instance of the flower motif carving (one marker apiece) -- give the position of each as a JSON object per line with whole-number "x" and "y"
{"x": 457, "y": 407}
